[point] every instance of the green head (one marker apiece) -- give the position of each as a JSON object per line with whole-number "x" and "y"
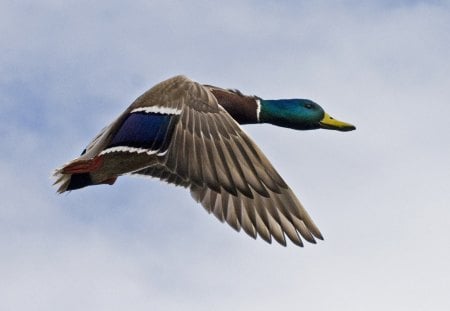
{"x": 299, "y": 114}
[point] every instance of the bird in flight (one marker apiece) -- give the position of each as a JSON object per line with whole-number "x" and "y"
{"x": 189, "y": 134}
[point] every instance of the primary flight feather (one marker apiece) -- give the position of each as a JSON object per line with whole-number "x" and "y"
{"x": 188, "y": 134}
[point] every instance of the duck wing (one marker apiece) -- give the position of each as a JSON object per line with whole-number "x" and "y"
{"x": 224, "y": 169}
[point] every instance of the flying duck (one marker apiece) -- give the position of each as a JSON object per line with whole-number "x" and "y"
{"x": 189, "y": 134}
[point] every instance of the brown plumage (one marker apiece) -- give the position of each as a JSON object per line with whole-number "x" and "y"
{"x": 201, "y": 147}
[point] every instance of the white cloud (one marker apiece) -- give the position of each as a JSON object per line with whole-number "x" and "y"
{"x": 379, "y": 194}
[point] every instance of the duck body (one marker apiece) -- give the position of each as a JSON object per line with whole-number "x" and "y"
{"x": 188, "y": 134}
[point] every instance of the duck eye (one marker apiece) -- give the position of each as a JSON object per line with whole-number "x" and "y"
{"x": 308, "y": 106}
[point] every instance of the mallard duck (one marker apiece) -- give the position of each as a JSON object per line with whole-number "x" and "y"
{"x": 188, "y": 134}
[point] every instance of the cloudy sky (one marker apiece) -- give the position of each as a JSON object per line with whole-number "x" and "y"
{"x": 379, "y": 194}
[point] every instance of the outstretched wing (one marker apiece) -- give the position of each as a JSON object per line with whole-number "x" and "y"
{"x": 225, "y": 171}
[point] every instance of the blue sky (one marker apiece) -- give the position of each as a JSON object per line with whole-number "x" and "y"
{"x": 380, "y": 195}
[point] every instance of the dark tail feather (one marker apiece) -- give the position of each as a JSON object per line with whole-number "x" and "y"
{"x": 76, "y": 174}
{"x": 69, "y": 182}
{"x": 78, "y": 181}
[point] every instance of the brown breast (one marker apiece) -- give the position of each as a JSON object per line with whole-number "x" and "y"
{"x": 241, "y": 107}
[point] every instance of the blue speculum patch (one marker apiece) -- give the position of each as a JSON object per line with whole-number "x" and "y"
{"x": 142, "y": 130}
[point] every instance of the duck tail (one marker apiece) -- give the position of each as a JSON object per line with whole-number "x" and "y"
{"x": 77, "y": 174}
{"x": 66, "y": 182}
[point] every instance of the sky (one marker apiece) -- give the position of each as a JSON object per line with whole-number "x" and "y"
{"x": 380, "y": 194}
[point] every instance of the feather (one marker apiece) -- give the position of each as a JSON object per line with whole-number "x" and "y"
{"x": 179, "y": 133}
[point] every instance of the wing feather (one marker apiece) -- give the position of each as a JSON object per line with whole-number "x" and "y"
{"x": 225, "y": 171}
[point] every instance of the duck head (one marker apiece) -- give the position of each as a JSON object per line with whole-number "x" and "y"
{"x": 299, "y": 114}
